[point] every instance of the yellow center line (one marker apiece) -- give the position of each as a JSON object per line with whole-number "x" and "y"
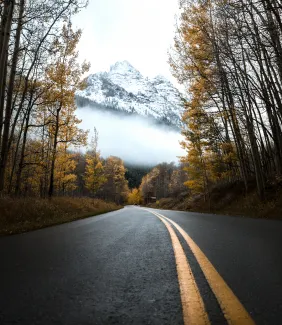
{"x": 192, "y": 304}
{"x": 233, "y": 310}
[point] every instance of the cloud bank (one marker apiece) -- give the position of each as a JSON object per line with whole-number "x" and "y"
{"x": 134, "y": 139}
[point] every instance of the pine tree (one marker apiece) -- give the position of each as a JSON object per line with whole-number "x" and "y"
{"x": 64, "y": 174}
{"x": 94, "y": 176}
{"x": 116, "y": 186}
{"x": 134, "y": 197}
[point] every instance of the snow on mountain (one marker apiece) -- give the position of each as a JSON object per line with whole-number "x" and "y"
{"x": 123, "y": 88}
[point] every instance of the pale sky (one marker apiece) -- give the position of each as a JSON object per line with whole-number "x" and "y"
{"x": 139, "y": 31}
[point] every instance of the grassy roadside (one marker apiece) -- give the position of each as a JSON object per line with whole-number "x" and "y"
{"x": 25, "y": 214}
{"x": 229, "y": 200}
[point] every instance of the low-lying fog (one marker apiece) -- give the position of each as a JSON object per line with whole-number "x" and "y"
{"x": 132, "y": 138}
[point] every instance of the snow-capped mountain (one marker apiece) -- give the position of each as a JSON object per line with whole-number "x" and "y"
{"x": 124, "y": 89}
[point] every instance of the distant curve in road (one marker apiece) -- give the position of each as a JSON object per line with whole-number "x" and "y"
{"x": 144, "y": 266}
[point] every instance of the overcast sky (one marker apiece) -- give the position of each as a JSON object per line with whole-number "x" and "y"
{"x": 139, "y": 31}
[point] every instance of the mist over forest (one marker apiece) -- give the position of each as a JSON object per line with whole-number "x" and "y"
{"x": 133, "y": 138}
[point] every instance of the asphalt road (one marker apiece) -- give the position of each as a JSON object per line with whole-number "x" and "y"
{"x": 120, "y": 268}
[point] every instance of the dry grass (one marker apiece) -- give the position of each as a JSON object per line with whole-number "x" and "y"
{"x": 24, "y": 214}
{"x": 230, "y": 200}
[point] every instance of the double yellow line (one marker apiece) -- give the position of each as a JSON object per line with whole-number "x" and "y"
{"x": 194, "y": 312}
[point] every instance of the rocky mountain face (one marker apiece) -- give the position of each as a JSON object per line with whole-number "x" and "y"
{"x": 125, "y": 90}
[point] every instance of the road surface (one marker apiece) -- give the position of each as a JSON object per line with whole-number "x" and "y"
{"x": 144, "y": 266}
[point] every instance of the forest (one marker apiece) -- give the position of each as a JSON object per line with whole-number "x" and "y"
{"x": 39, "y": 74}
{"x": 229, "y": 54}
{"x": 43, "y": 151}
{"x": 228, "y": 57}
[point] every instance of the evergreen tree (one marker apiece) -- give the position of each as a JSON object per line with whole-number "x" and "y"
{"x": 94, "y": 176}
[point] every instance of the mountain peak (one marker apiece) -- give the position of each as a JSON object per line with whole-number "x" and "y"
{"x": 124, "y": 89}
{"x": 123, "y": 67}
